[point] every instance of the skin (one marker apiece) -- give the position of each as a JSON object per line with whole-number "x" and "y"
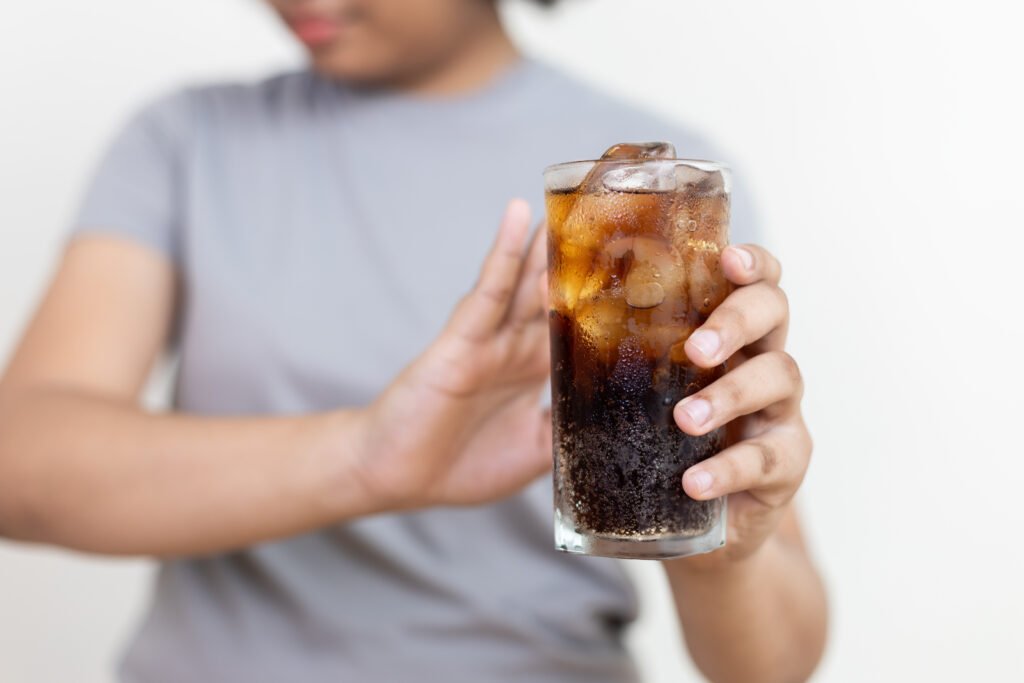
{"x": 83, "y": 466}
{"x": 430, "y": 47}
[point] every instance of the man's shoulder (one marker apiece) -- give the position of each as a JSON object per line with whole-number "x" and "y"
{"x": 233, "y": 101}
{"x": 239, "y": 98}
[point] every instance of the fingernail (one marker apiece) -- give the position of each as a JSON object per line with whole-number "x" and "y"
{"x": 707, "y": 342}
{"x": 701, "y": 480}
{"x": 698, "y": 409}
{"x": 745, "y": 256}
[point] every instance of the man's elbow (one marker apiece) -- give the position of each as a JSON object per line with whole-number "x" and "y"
{"x": 793, "y": 660}
{"x": 22, "y": 512}
{"x": 786, "y": 669}
{"x": 21, "y": 518}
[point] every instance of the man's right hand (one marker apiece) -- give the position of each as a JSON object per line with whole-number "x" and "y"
{"x": 462, "y": 424}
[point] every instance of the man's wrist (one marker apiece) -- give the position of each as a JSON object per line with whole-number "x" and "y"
{"x": 334, "y": 466}
{"x": 709, "y": 571}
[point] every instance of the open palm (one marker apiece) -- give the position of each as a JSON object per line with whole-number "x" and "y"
{"x": 462, "y": 424}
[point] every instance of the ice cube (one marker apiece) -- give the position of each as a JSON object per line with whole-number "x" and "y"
{"x": 648, "y": 249}
{"x": 562, "y": 292}
{"x": 599, "y": 216}
{"x": 651, "y": 176}
{"x": 701, "y": 209}
{"x": 699, "y": 181}
{"x": 598, "y": 280}
{"x": 572, "y": 263}
{"x": 644, "y": 294}
{"x": 582, "y": 268}
{"x": 567, "y": 177}
{"x": 653, "y": 260}
{"x": 688, "y": 176}
{"x": 662, "y": 339}
{"x": 642, "y": 286}
{"x": 706, "y": 284}
{"x": 602, "y": 321}
{"x": 677, "y": 352}
{"x": 640, "y": 150}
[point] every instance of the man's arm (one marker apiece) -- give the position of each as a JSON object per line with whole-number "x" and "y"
{"x": 81, "y": 465}
{"x": 760, "y": 619}
{"x": 754, "y": 610}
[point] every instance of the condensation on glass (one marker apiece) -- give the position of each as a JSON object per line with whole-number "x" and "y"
{"x": 634, "y": 244}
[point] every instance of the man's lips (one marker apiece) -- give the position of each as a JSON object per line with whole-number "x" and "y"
{"x": 314, "y": 31}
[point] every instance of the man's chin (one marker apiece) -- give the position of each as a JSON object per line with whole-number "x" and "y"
{"x": 359, "y": 75}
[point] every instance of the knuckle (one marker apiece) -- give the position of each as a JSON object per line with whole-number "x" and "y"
{"x": 495, "y": 294}
{"x": 768, "y": 456}
{"x": 790, "y": 368}
{"x": 462, "y": 310}
{"x": 727, "y": 395}
{"x": 730, "y": 317}
{"x": 729, "y": 473}
{"x": 807, "y": 444}
{"x": 782, "y": 297}
{"x": 459, "y": 310}
{"x": 779, "y": 497}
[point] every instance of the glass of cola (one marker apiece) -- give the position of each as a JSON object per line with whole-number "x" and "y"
{"x": 634, "y": 241}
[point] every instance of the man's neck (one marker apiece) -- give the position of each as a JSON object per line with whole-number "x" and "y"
{"x": 474, "y": 64}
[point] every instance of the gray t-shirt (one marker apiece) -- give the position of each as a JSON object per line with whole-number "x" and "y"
{"x": 323, "y": 235}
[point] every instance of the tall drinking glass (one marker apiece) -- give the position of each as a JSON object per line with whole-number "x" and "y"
{"x": 634, "y": 241}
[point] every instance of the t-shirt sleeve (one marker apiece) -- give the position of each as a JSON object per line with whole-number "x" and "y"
{"x": 136, "y": 190}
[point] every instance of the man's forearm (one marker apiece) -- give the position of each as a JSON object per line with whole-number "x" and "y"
{"x": 102, "y": 476}
{"x": 762, "y": 619}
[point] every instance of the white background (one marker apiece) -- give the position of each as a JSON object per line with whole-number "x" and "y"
{"x": 883, "y": 142}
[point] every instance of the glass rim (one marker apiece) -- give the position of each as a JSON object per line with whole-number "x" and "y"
{"x": 715, "y": 165}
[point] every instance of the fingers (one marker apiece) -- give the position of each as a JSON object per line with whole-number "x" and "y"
{"x": 757, "y": 313}
{"x": 531, "y": 350}
{"x": 769, "y": 380}
{"x": 745, "y": 264}
{"x": 529, "y": 302}
{"x": 487, "y": 304}
{"x": 769, "y": 467}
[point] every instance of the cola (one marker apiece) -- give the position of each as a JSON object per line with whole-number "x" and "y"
{"x": 634, "y": 244}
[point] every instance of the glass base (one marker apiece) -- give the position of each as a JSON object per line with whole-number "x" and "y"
{"x": 568, "y": 539}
